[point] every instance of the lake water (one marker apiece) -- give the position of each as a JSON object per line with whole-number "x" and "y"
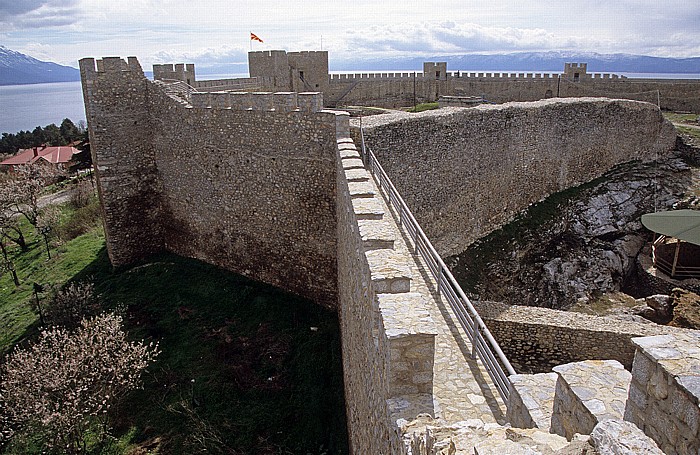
{"x": 24, "y": 107}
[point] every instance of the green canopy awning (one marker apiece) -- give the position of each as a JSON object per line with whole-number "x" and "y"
{"x": 679, "y": 224}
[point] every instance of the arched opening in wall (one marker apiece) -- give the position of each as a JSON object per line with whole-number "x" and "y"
{"x": 548, "y": 94}
{"x": 577, "y": 76}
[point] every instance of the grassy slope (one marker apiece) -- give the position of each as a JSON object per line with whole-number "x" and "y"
{"x": 264, "y": 381}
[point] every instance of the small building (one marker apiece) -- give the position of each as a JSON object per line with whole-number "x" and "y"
{"x": 59, "y": 157}
{"x": 676, "y": 252}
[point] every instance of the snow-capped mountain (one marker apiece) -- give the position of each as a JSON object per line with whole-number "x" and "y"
{"x": 18, "y": 68}
{"x": 531, "y": 61}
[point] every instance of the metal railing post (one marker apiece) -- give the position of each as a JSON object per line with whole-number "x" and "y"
{"x": 475, "y": 339}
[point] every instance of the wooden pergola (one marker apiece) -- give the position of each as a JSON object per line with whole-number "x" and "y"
{"x": 676, "y": 251}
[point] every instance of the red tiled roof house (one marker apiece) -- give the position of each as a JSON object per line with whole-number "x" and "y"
{"x": 57, "y": 156}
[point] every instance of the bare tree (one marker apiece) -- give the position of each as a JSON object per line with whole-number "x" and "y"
{"x": 20, "y": 195}
{"x": 46, "y": 221}
{"x": 66, "y": 382}
{"x": 6, "y": 263}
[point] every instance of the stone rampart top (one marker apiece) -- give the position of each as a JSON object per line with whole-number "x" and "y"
{"x": 373, "y": 121}
{"x": 569, "y": 319}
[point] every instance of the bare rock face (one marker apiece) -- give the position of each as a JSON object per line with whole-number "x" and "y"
{"x": 576, "y": 245}
{"x": 686, "y": 309}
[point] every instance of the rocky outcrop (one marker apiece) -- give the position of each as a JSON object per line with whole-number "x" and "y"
{"x": 686, "y": 309}
{"x": 578, "y": 244}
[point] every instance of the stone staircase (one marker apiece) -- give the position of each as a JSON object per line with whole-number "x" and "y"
{"x": 588, "y": 407}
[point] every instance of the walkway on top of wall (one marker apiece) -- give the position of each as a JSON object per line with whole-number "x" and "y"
{"x": 462, "y": 388}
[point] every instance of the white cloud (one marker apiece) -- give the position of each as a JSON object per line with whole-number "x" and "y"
{"x": 38, "y": 13}
{"x": 217, "y": 30}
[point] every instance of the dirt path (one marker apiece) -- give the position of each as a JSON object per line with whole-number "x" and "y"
{"x": 59, "y": 197}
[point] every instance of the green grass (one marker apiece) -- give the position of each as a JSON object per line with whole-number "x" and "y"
{"x": 423, "y": 107}
{"x": 264, "y": 381}
{"x": 694, "y": 133}
{"x": 682, "y": 117}
{"x": 33, "y": 266}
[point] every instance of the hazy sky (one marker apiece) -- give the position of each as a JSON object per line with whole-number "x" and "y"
{"x": 202, "y": 31}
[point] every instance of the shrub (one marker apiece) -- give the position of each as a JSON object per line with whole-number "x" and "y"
{"x": 68, "y": 306}
{"x": 81, "y": 221}
{"x": 62, "y": 387}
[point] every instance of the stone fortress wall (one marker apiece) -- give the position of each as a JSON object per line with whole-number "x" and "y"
{"x": 166, "y": 170}
{"x": 479, "y": 167}
{"x": 262, "y": 185}
{"x": 398, "y": 89}
{"x": 279, "y": 70}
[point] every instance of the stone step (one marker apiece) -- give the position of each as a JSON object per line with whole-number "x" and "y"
{"x": 531, "y": 400}
{"x": 587, "y": 393}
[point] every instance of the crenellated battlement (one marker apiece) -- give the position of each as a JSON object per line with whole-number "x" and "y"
{"x": 259, "y": 101}
{"x": 90, "y": 66}
{"x": 175, "y": 72}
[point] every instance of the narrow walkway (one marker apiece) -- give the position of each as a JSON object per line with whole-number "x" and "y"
{"x": 461, "y": 386}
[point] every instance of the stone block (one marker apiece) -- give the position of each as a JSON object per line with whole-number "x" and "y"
{"x": 362, "y": 189}
{"x": 531, "y": 400}
{"x": 310, "y": 101}
{"x": 357, "y": 175}
{"x": 390, "y": 271}
{"x": 617, "y": 437}
{"x": 353, "y": 163}
{"x": 367, "y": 209}
{"x": 376, "y": 234}
{"x": 262, "y": 101}
{"x": 285, "y": 101}
{"x": 200, "y": 100}
{"x": 240, "y": 101}
{"x": 588, "y": 392}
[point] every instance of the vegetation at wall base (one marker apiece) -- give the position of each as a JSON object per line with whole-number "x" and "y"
{"x": 244, "y": 368}
{"x": 423, "y": 107}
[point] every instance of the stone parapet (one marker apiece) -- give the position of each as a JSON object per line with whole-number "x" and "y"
{"x": 388, "y": 332}
{"x": 664, "y": 397}
{"x": 587, "y": 393}
{"x": 531, "y": 400}
{"x": 310, "y": 101}
{"x": 411, "y": 333}
{"x": 536, "y": 339}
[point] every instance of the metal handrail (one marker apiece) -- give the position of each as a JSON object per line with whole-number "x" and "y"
{"x": 483, "y": 343}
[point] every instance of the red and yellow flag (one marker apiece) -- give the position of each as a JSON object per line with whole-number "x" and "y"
{"x": 254, "y": 37}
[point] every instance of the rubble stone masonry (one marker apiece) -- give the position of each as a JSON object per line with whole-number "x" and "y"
{"x": 252, "y": 191}
{"x": 467, "y": 171}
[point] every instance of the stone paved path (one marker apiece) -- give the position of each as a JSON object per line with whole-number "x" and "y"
{"x": 462, "y": 386}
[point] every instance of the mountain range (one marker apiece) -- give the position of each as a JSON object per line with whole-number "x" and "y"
{"x": 533, "y": 61}
{"x": 18, "y": 68}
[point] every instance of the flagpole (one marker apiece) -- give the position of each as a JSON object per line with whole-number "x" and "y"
{"x": 251, "y": 40}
